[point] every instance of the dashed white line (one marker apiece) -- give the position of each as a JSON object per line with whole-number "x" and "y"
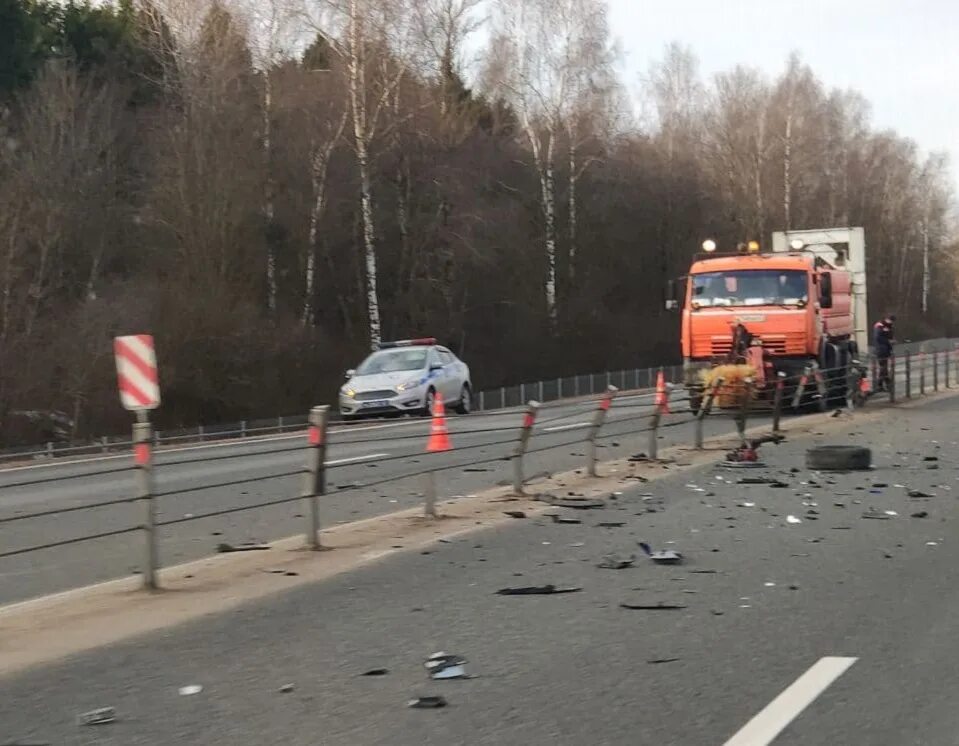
{"x": 772, "y": 720}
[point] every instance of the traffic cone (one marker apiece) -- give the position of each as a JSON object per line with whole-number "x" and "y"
{"x": 865, "y": 387}
{"x": 439, "y": 436}
{"x": 662, "y": 401}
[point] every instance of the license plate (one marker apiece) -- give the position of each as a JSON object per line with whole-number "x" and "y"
{"x": 375, "y": 404}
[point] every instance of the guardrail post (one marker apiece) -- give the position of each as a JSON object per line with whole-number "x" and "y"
{"x": 525, "y": 433}
{"x": 820, "y": 387}
{"x": 945, "y": 364}
{"x": 801, "y": 387}
{"x": 892, "y": 378}
{"x": 522, "y": 392}
{"x": 541, "y": 390}
{"x": 935, "y": 371}
{"x": 314, "y": 478}
{"x": 654, "y": 425}
{"x": 598, "y": 419}
{"x": 279, "y": 424}
{"x": 909, "y": 375}
{"x": 559, "y": 388}
{"x": 778, "y": 400}
{"x": 747, "y": 387}
{"x": 922, "y": 373}
{"x": 242, "y": 428}
{"x": 104, "y": 444}
{"x": 199, "y": 432}
{"x": 49, "y": 449}
{"x": 502, "y": 397}
{"x": 704, "y": 409}
{"x": 143, "y": 459}
{"x": 429, "y": 495}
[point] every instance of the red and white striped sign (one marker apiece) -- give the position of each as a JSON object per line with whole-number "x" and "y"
{"x": 137, "y": 372}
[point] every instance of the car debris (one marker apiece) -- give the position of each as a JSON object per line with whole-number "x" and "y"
{"x": 514, "y": 513}
{"x": 190, "y": 689}
{"x": 661, "y": 606}
{"x": 920, "y": 514}
{"x": 611, "y": 524}
{"x": 919, "y": 493}
{"x": 875, "y": 514}
{"x": 616, "y": 562}
{"x": 446, "y": 666}
{"x": 662, "y": 557}
{"x": 565, "y": 519}
{"x": 793, "y": 519}
{"x": 224, "y": 548}
{"x": 578, "y": 503}
{"x": 431, "y": 702}
{"x": 376, "y": 672}
{"x": 100, "y": 716}
{"x": 536, "y": 590}
{"x": 654, "y": 661}
{"x": 287, "y": 688}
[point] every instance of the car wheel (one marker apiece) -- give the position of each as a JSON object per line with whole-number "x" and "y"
{"x": 838, "y": 458}
{"x": 466, "y": 401}
{"x": 428, "y": 404}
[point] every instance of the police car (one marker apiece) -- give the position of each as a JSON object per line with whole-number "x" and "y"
{"x": 406, "y": 376}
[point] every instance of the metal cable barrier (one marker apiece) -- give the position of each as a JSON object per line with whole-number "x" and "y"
{"x": 533, "y": 430}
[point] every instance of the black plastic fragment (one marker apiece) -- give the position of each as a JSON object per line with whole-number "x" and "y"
{"x": 427, "y": 703}
{"x": 535, "y": 590}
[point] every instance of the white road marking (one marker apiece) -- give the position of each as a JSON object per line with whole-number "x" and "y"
{"x": 558, "y": 428}
{"x": 795, "y": 698}
{"x": 356, "y": 459}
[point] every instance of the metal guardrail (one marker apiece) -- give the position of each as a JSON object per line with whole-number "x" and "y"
{"x": 911, "y": 375}
{"x": 504, "y": 397}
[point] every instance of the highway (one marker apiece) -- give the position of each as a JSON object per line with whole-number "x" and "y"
{"x": 370, "y": 468}
{"x": 853, "y": 618}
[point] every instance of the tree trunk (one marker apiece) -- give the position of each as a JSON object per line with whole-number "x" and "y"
{"x": 787, "y": 177}
{"x": 369, "y": 243}
{"x": 573, "y": 178}
{"x": 924, "y": 227}
{"x": 548, "y": 183}
{"x": 268, "y": 207}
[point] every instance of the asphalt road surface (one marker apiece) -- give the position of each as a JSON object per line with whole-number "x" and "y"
{"x": 375, "y": 467}
{"x": 836, "y": 629}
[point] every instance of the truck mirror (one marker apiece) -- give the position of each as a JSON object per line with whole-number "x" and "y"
{"x": 825, "y": 290}
{"x": 672, "y": 304}
{"x": 673, "y": 290}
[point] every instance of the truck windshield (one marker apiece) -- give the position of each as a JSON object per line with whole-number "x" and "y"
{"x": 755, "y": 287}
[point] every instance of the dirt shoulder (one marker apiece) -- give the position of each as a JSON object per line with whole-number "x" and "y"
{"x": 48, "y": 628}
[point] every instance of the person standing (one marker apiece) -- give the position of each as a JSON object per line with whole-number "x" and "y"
{"x": 883, "y": 341}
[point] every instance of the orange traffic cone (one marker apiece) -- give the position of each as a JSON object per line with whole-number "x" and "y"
{"x": 662, "y": 401}
{"x": 865, "y": 387}
{"x": 439, "y": 436}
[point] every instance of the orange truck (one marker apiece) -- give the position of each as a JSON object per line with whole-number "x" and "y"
{"x": 796, "y": 308}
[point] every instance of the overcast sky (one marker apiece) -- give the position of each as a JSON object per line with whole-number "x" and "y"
{"x": 902, "y": 55}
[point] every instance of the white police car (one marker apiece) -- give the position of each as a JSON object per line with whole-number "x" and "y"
{"x": 406, "y": 376}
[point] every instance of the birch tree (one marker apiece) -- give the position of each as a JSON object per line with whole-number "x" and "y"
{"x": 538, "y": 45}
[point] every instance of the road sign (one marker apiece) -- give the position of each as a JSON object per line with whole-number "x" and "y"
{"x": 137, "y": 372}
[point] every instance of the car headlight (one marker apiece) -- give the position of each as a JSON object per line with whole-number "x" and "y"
{"x": 347, "y": 391}
{"x": 411, "y": 384}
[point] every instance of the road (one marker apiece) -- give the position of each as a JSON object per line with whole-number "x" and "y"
{"x": 765, "y": 602}
{"x": 375, "y": 468}
{"x": 370, "y": 474}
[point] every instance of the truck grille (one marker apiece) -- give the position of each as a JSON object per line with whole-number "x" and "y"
{"x": 773, "y": 346}
{"x": 372, "y": 395}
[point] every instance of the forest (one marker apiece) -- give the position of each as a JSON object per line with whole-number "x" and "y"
{"x": 271, "y": 186}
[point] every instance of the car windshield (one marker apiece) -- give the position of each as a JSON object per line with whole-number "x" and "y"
{"x": 758, "y": 287}
{"x": 393, "y": 361}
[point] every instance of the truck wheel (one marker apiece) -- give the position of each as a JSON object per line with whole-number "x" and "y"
{"x": 838, "y": 458}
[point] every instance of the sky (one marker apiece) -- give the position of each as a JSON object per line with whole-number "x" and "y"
{"x": 902, "y": 55}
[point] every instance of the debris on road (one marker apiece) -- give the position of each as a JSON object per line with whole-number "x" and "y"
{"x": 611, "y": 524}
{"x": 652, "y": 607}
{"x": 190, "y": 689}
{"x": 579, "y": 503}
{"x": 838, "y": 458}
{"x": 223, "y": 548}
{"x": 376, "y": 672}
{"x": 662, "y": 557}
{"x": 101, "y": 716}
{"x": 427, "y": 703}
{"x": 793, "y": 519}
{"x": 535, "y": 590}
{"x": 286, "y": 688}
{"x": 919, "y": 493}
{"x": 564, "y": 519}
{"x": 920, "y": 514}
{"x": 662, "y": 660}
{"x": 615, "y": 562}
{"x": 878, "y": 515}
{"x": 514, "y": 513}
{"x": 446, "y": 666}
